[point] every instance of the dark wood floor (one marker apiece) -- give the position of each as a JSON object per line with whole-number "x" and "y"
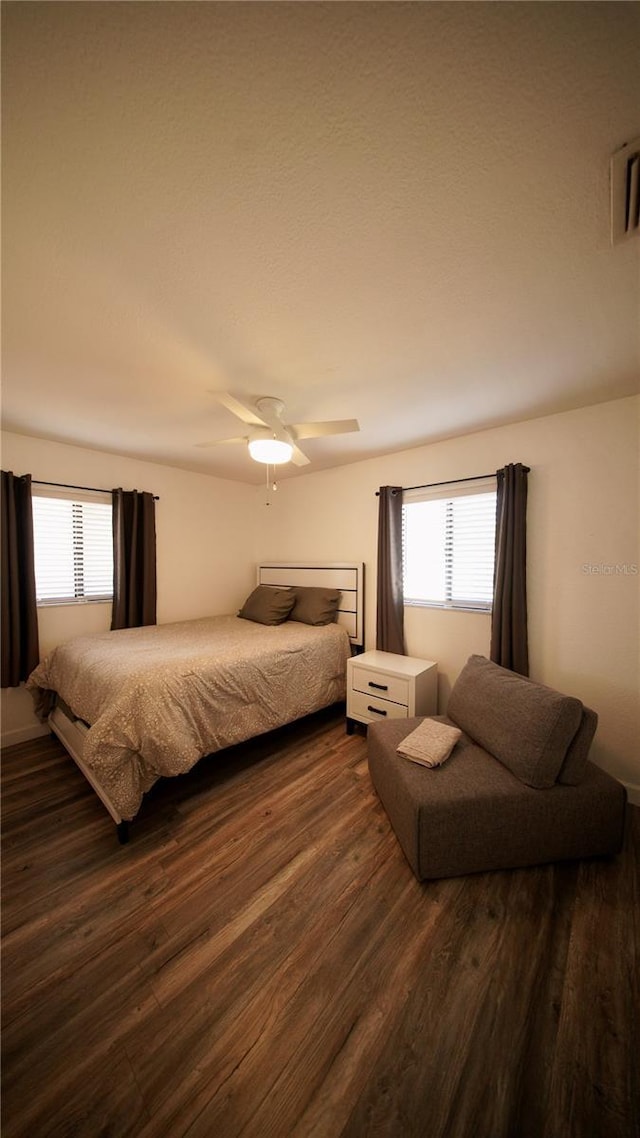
{"x": 260, "y": 961}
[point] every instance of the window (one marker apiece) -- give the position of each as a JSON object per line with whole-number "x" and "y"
{"x": 73, "y": 546}
{"x": 448, "y": 536}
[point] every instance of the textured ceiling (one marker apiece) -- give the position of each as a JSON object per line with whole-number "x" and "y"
{"x": 392, "y": 212}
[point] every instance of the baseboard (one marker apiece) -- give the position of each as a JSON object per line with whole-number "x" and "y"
{"x": 633, "y": 791}
{"x": 23, "y": 734}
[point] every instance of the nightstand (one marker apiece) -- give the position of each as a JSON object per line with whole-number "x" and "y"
{"x": 381, "y": 685}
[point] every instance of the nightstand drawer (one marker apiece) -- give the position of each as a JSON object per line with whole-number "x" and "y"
{"x": 380, "y": 684}
{"x": 369, "y": 708}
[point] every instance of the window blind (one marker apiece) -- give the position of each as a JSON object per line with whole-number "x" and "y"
{"x": 73, "y": 547}
{"x": 449, "y": 546}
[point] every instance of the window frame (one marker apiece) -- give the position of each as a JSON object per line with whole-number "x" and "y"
{"x": 447, "y": 493}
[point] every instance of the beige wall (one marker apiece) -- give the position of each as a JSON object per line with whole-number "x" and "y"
{"x": 205, "y": 555}
{"x": 583, "y": 510}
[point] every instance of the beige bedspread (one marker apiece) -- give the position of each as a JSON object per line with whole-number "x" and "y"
{"x": 158, "y": 699}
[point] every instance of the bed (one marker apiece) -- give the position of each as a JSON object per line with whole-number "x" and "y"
{"x": 140, "y": 704}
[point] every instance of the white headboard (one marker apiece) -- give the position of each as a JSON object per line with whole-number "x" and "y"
{"x": 343, "y": 575}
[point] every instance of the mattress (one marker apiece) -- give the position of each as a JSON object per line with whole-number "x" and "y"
{"x": 158, "y": 699}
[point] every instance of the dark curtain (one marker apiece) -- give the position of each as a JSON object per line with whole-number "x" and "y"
{"x": 509, "y": 641}
{"x": 390, "y": 607}
{"x": 134, "y": 559}
{"x": 19, "y": 613}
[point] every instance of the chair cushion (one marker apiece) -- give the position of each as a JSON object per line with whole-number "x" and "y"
{"x": 525, "y": 725}
{"x": 472, "y": 814}
{"x": 575, "y": 762}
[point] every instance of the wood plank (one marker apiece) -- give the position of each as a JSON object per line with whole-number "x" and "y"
{"x": 260, "y": 960}
{"x": 591, "y": 1075}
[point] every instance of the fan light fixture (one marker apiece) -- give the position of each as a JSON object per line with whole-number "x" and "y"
{"x": 272, "y": 451}
{"x": 272, "y": 441}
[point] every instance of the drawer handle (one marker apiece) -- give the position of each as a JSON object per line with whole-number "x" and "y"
{"x": 376, "y": 709}
{"x": 379, "y": 687}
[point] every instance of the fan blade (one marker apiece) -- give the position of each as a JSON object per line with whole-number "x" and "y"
{"x": 251, "y": 418}
{"x": 223, "y": 442}
{"x": 320, "y": 430}
{"x": 298, "y": 457}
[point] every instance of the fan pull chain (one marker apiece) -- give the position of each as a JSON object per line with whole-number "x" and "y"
{"x": 272, "y": 485}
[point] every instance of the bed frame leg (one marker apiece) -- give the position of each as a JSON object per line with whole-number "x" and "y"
{"x": 123, "y": 832}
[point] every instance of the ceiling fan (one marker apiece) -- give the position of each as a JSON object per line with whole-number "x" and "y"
{"x": 270, "y": 440}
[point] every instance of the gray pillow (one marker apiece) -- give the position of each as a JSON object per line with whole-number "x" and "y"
{"x": 315, "y": 605}
{"x": 267, "y": 605}
{"x": 525, "y": 725}
{"x": 575, "y": 762}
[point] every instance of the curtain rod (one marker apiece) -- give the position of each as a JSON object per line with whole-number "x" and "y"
{"x": 447, "y": 482}
{"x": 70, "y": 486}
